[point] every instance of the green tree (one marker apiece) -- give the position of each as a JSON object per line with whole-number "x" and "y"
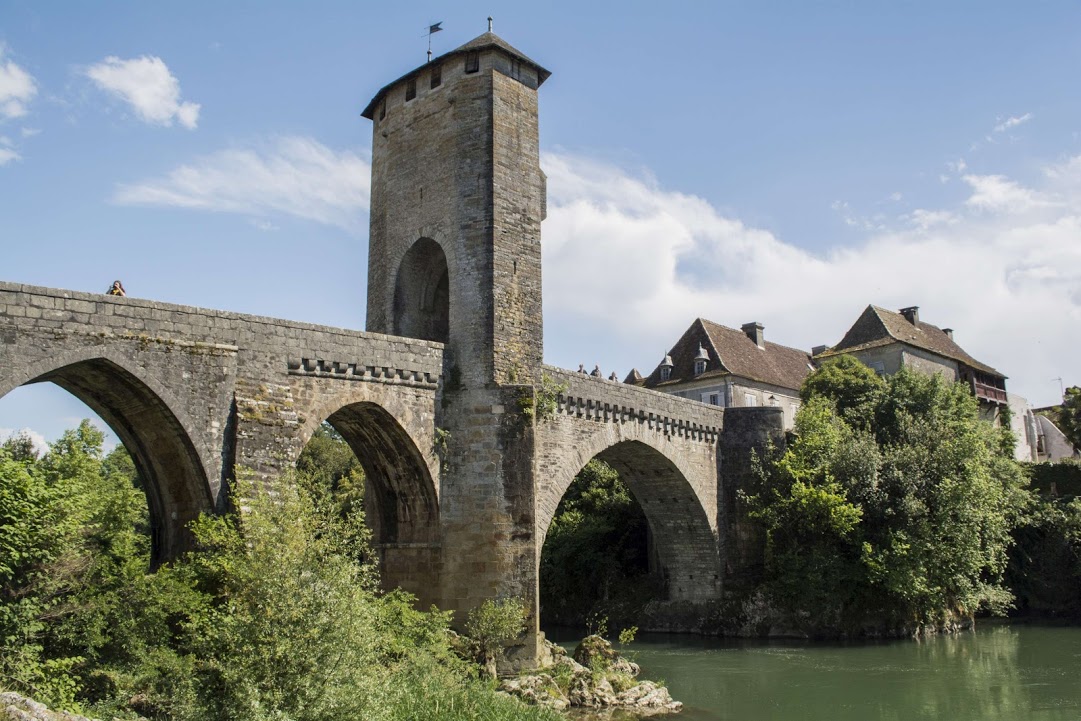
{"x": 853, "y": 388}
{"x": 1069, "y": 415}
{"x": 330, "y": 470}
{"x": 73, "y": 551}
{"x": 595, "y": 557}
{"x": 272, "y": 616}
{"x": 892, "y": 507}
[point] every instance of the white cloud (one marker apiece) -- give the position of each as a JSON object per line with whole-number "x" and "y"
{"x": 1012, "y": 122}
{"x": 997, "y": 193}
{"x": 291, "y": 176}
{"x": 17, "y": 88}
{"x": 147, "y": 85}
{"x": 29, "y": 132}
{"x": 7, "y": 151}
{"x": 264, "y": 225}
{"x": 40, "y": 444}
{"x": 924, "y": 219}
{"x": 629, "y": 265}
{"x": 957, "y": 166}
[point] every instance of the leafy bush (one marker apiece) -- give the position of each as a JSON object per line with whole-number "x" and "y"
{"x": 891, "y": 509}
{"x": 492, "y": 626}
{"x": 272, "y": 616}
{"x": 1045, "y": 564}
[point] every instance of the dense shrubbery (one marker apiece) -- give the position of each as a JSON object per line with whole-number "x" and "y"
{"x": 892, "y": 507}
{"x": 1045, "y": 562}
{"x": 273, "y": 618}
{"x": 595, "y": 561}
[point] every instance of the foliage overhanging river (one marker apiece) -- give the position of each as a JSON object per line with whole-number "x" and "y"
{"x": 1000, "y": 672}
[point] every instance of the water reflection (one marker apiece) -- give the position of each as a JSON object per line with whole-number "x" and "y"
{"x": 997, "y": 673}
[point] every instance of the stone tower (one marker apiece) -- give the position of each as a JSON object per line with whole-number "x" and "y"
{"x": 457, "y": 200}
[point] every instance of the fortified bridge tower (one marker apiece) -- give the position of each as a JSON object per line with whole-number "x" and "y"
{"x": 457, "y": 200}
{"x": 468, "y": 441}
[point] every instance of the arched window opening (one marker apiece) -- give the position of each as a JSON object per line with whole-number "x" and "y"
{"x": 422, "y": 293}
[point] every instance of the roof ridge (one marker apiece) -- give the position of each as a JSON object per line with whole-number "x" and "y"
{"x": 740, "y": 330}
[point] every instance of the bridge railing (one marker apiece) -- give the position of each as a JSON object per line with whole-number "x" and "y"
{"x": 605, "y": 400}
{"x": 308, "y": 348}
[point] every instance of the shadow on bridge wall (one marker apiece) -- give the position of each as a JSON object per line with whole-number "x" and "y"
{"x": 400, "y": 502}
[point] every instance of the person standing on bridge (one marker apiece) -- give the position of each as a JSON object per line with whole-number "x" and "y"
{"x": 116, "y": 289}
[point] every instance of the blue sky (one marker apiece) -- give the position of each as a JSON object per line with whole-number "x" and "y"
{"x": 788, "y": 163}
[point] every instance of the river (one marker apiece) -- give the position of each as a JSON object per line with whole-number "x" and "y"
{"x": 1000, "y": 672}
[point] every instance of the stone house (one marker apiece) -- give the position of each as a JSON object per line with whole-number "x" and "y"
{"x": 725, "y": 367}
{"x": 887, "y": 341}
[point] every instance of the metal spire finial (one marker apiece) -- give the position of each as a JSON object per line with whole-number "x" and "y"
{"x": 489, "y": 23}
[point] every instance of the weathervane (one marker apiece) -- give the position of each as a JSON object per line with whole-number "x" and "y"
{"x": 433, "y": 29}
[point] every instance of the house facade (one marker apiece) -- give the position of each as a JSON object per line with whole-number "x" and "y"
{"x": 887, "y": 341}
{"x": 722, "y": 366}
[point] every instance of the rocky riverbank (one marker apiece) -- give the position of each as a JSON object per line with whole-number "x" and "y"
{"x": 594, "y": 678}
{"x": 14, "y": 707}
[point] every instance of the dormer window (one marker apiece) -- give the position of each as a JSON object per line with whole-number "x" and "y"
{"x": 700, "y": 361}
{"x": 666, "y": 367}
{"x": 410, "y": 89}
{"x": 472, "y": 62}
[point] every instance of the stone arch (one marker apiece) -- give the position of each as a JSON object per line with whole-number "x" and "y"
{"x": 401, "y": 496}
{"x": 422, "y": 293}
{"x": 154, "y": 428}
{"x": 683, "y": 531}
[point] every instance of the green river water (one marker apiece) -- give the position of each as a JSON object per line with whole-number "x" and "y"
{"x": 999, "y": 672}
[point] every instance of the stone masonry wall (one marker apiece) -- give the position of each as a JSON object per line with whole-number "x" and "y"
{"x": 432, "y": 178}
{"x": 665, "y": 449}
{"x": 214, "y": 387}
{"x": 518, "y": 198}
{"x": 747, "y": 431}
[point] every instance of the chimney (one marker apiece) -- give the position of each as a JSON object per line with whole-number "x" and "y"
{"x": 819, "y": 349}
{"x": 911, "y": 314}
{"x": 754, "y": 332}
{"x": 948, "y": 332}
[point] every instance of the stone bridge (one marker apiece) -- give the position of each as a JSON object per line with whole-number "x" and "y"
{"x": 194, "y": 393}
{"x": 466, "y": 447}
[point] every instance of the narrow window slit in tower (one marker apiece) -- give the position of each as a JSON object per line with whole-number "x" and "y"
{"x": 437, "y": 76}
{"x": 411, "y": 89}
{"x": 472, "y": 62}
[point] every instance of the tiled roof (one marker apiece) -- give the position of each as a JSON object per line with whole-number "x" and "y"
{"x": 480, "y": 42}
{"x": 879, "y": 327}
{"x": 732, "y": 353}
{"x": 491, "y": 39}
